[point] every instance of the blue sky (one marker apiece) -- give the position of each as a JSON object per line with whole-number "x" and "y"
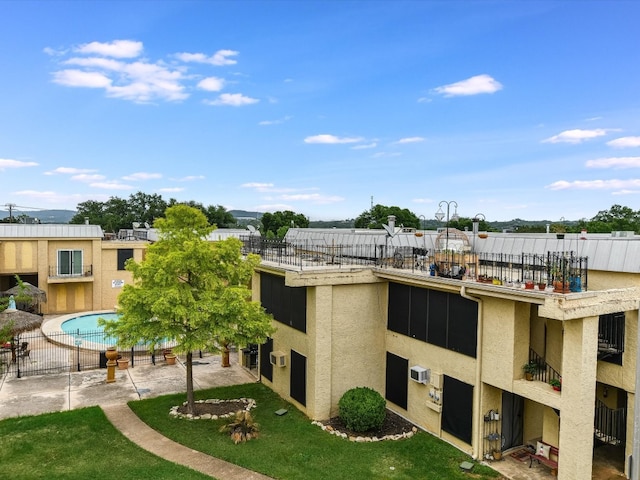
{"x": 512, "y": 109}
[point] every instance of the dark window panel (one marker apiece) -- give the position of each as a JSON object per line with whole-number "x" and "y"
{"x": 457, "y": 408}
{"x": 397, "y": 378}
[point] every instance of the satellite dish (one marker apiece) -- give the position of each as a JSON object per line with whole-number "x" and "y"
{"x": 146, "y": 225}
{"x": 392, "y": 232}
{"x": 136, "y": 225}
{"x": 251, "y": 228}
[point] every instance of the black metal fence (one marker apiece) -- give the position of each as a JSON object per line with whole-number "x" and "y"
{"x": 60, "y": 352}
{"x": 562, "y": 272}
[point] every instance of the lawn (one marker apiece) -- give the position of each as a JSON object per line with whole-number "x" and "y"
{"x": 290, "y": 448}
{"x": 78, "y": 444}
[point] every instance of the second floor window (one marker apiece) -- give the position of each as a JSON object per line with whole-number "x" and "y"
{"x": 69, "y": 262}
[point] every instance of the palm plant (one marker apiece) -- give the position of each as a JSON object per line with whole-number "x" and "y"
{"x": 243, "y": 428}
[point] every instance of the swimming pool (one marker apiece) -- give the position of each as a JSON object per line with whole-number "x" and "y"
{"x": 85, "y": 328}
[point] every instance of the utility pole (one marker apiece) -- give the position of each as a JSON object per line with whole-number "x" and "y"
{"x": 10, "y": 206}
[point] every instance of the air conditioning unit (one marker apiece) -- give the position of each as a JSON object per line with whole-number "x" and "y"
{"x": 436, "y": 380}
{"x": 420, "y": 374}
{"x": 279, "y": 359}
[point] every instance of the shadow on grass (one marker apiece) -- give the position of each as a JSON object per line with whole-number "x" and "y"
{"x": 290, "y": 448}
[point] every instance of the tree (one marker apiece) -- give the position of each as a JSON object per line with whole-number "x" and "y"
{"x": 617, "y": 218}
{"x": 378, "y": 215}
{"x": 190, "y": 291}
{"x": 273, "y": 222}
{"x": 219, "y": 216}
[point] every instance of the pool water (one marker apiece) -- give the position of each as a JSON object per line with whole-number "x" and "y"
{"x": 86, "y": 328}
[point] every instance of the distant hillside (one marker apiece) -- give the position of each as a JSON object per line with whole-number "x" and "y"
{"x": 45, "y": 216}
{"x": 245, "y": 215}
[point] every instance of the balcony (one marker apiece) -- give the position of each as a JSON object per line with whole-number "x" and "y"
{"x": 79, "y": 273}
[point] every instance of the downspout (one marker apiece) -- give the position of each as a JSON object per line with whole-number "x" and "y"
{"x": 476, "y": 453}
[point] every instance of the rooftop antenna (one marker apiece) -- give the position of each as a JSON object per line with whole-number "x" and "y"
{"x": 136, "y": 225}
{"x": 146, "y": 225}
{"x": 251, "y": 228}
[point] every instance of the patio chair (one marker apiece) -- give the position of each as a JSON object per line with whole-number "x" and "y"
{"x": 22, "y": 354}
{"x": 23, "y": 346}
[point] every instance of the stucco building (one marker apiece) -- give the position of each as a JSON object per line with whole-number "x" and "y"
{"x": 403, "y": 312}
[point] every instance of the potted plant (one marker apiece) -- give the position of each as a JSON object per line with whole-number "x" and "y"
{"x": 123, "y": 363}
{"x": 530, "y": 369}
{"x": 556, "y": 384}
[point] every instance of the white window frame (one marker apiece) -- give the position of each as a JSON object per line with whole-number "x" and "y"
{"x": 70, "y": 263}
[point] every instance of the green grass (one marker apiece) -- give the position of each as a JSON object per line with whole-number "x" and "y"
{"x": 290, "y": 448}
{"x": 79, "y": 444}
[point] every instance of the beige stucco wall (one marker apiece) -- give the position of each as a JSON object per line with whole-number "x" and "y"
{"x": 20, "y": 256}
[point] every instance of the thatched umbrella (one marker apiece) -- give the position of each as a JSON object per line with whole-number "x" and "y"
{"x": 19, "y": 321}
{"x": 25, "y": 289}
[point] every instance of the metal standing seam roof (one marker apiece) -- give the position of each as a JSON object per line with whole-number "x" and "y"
{"x": 47, "y": 230}
{"x": 604, "y": 251}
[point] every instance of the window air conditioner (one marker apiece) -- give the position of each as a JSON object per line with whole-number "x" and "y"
{"x": 420, "y": 374}
{"x": 279, "y": 359}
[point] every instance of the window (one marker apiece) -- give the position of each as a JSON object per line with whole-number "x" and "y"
{"x": 124, "y": 254}
{"x": 611, "y": 337}
{"x": 288, "y": 305}
{"x": 69, "y": 262}
{"x": 440, "y": 318}
{"x": 298, "y": 379}
{"x": 397, "y": 379}
{"x": 457, "y": 408}
{"x": 266, "y": 369}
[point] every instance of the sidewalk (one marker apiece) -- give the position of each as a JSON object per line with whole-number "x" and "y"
{"x": 67, "y": 391}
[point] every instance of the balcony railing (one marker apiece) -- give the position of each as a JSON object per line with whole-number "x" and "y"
{"x": 499, "y": 269}
{"x": 75, "y": 271}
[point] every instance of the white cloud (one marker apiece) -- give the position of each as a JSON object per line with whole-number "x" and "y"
{"x": 211, "y": 84}
{"x": 624, "y": 142}
{"x": 70, "y": 170}
{"x": 364, "y": 146}
{"x": 117, "y": 48}
{"x": 97, "y": 62}
{"x": 471, "y": 86}
{"x": 83, "y": 177}
{"x": 614, "y": 184}
{"x": 79, "y": 78}
{"x": 189, "y": 178}
{"x": 615, "y": 162}
{"x": 410, "y": 140}
{"x": 220, "y": 58}
{"x": 233, "y": 100}
{"x": 576, "y": 136}
{"x": 9, "y": 163}
{"x": 422, "y": 200}
{"x": 142, "y": 176}
{"x": 111, "y": 185}
{"x": 331, "y": 139}
{"x": 275, "y": 122}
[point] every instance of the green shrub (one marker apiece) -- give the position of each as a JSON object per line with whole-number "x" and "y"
{"x": 362, "y": 409}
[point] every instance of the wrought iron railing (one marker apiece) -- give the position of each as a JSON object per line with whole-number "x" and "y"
{"x": 610, "y": 424}
{"x": 499, "y": 269}
{"x": 73, "y": 271}
{"x": 545, "y": 372}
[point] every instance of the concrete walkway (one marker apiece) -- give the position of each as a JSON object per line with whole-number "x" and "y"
{"x": 123, "y": 418}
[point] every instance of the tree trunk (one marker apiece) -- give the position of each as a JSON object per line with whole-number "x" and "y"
{"x": 225, "y": 355}
{"x": 190, "y": 396}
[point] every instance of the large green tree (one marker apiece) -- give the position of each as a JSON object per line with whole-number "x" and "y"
{"x": 190, "y": 291}
{"x": 277, "y": 223}
{"x": 378, "y": 215}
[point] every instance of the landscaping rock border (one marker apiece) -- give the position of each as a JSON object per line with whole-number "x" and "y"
{"x": 354, "y": 438}
{"x": 249, "y": 404}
